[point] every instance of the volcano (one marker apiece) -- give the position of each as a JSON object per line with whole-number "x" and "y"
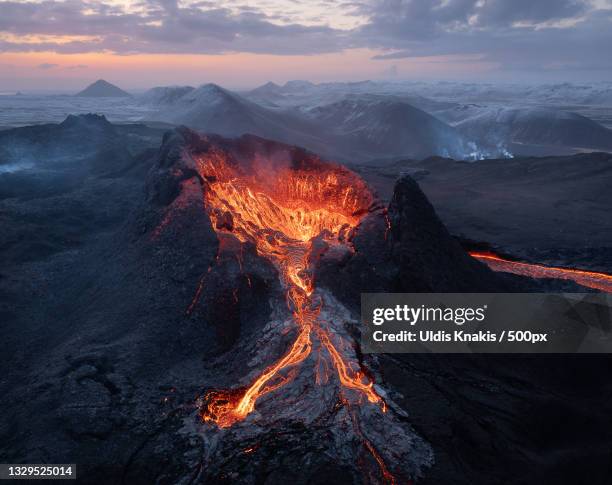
{"x": 289, "y": 207}
{"x": 211, "y": 335}
{"x": 327, "y": 237}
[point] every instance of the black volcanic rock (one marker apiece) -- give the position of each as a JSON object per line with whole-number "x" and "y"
{"x": 431, "y": 260}
{"x": 56, "y": 173}
{"x": 86, "y": 143}
{"x": 554, "y": 210}
{"x": 406, "y": 249}
{"x": 114, "y": 331}
{"x": 173, "y": 221}
{"x": 102, "y": 89}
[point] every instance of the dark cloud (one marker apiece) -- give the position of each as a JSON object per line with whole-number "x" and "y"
{"x": 393, "y": 22}
{"x": 498, "y": 12}
{"x": 518, "y": 35}
{"x": 46, "y": 65}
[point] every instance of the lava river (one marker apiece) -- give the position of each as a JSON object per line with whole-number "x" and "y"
{"x": 591, "y": 279}
{"x": 289, "y": 211}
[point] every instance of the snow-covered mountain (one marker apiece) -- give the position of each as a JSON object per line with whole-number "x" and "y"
{"x": 385, "y": 127}
{"x": 213, "y": 109}
{"x": 164, "y": 95}
{"x": 305, "y": 95}
{"x": 357, "y": 128}
{"x": 536, "y": 126}
{"x": 560, "y": 94}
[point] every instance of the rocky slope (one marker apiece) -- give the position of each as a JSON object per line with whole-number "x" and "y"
{"x": 112, "y": 348}
{"x": 553, "y": 210}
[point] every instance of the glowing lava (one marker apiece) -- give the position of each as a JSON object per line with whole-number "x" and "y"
{"x": 591, "y": 279}
{"x": 286, "y": 210}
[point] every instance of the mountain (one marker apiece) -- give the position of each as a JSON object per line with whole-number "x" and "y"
{"x": 83, "y": 143}
{"x": 268, "y": 88}
{"x": 164, "y": 95}
{"x": 103, "y": 89}
{"x": 599, "y": 94}
{"x": 357, "y": 128}
{"x": 537, "y": 126}
{"x": 56, "y": 172}
{"x": 385, "y": 127}
{"x": 212, "y": 109}
{"x": 298, "y": 85}
{"x": 306, "y": 95}
{"x": 269, "y": 94}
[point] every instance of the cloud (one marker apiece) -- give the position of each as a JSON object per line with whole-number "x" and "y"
{"x": 393, "y": 22}
{"x": 393, "y": 55}
{"x": 46, "y": 66}
{"x": 498, "y": 12}
{"x": 160, "y": 26}
{"x": 516, "y": 34}
{"x": 76, "y": 67}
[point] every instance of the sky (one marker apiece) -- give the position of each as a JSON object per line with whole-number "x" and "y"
{"x": 137, "y": 44}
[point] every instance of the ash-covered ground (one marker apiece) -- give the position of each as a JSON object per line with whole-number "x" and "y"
{"x": 121, "y": 310}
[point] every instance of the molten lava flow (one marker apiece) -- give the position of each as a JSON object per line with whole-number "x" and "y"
{"x": 352, "y": 382}
{"x": 591, "y": 279}
{"x": 284, "y": 212}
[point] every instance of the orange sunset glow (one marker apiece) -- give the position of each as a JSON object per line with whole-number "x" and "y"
{"x": 237, "y": 70}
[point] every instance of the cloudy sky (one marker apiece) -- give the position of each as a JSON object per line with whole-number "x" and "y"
{"x": 60, "y": 44}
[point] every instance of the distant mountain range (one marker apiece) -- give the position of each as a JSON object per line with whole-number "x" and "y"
{"x": 359, "y": 128}
{"x": 305, "y": 93}
{"x": 103, "y": 89}
{"x": 371, "y": 121}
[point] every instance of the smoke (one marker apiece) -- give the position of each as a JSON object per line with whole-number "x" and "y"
{"x": 16, "y": 167}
